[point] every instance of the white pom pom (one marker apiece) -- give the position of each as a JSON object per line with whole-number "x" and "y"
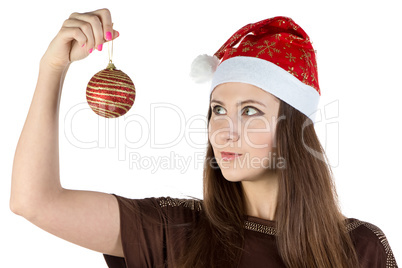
{"x": 203, "y": 68}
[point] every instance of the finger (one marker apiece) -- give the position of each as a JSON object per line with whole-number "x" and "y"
{"x": 107, "y": 24}
{"x": 86, "y": 29}
{"x": 73, "y": 33}
{"x": 96, "y": 25}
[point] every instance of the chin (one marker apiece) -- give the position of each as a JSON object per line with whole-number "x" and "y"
{"x": 232, "y": 175}
{"x": 231, "y": 170}
{"x": 239, "y": 175}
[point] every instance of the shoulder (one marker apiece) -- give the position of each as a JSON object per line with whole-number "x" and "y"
{"x": 163, "y": 209}
{"x": 161, "y": 202}
{"x": 178, "y": 210}
{"x": 169, "y": 202}
{"x": 371, "y": 243}
{"x": 368, "y": 232}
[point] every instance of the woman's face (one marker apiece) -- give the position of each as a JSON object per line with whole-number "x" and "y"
{"x": 242, "y": 130}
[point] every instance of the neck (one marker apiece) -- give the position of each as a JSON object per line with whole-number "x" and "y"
{"x": 260, "y": 196}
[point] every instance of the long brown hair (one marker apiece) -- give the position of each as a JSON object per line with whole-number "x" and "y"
{"x": 311, "y": 230}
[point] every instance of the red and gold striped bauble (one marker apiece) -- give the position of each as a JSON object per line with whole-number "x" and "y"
{"x": 110, "y": 92}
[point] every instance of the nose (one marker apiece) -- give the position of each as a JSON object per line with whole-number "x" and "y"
{"x": 225, "y": 130}
{"x": 231, "y": 135}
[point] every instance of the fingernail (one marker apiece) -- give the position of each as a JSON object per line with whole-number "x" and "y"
{"x": 83, "y": 45}
{"x": 90, "y": 51}
{"x": 118, "y": 34}
{"x": 108, "y": 36}
{"x": 99, "y": 48}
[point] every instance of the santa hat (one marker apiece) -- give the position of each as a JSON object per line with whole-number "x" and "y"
{"x": 275, "y": 55}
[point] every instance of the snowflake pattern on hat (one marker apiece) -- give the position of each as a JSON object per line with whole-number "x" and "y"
{"x": 278, "y": 40}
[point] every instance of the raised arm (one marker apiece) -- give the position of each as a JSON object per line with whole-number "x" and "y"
{"x": 89, "y": 219}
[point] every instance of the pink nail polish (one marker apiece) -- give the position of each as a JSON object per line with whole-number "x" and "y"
{"x": 118, "y": 34}
{"x": 99, "y": 48}
{"x": 90, "y": 51}
{"x": 83, "y": 45}
{"x": 108, "y": 36}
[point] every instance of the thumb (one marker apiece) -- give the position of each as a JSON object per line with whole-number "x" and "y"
{"x": 115, "y": 34}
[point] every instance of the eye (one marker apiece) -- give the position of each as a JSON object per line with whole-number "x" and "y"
{"x": 218, "y": 109}
{"x": 251, "y": 111}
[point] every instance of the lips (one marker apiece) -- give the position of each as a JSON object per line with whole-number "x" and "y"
{"x": 229, "y": 156}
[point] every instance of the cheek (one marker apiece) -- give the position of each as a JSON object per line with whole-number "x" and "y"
{"x": 210, "y": 129}
{"x": 212, "y": 137}
{"x": 259, "y": 135}
{"x": 216, "y": 128}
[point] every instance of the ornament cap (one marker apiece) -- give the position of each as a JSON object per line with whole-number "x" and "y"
{"x": 111, "y": 66}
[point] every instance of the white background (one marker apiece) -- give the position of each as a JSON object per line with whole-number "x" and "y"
{"x": 359, "y": 61}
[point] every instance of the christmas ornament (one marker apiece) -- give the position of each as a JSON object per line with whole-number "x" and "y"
{"x": 275, "y": 55}
{"x": 110, "y": 93}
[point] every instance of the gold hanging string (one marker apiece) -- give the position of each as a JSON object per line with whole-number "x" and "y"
{"x": 110, "y": 54}
{"x": 110, "y": 51}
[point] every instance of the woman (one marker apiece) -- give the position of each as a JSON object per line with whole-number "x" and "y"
{"x": 268, "y": 200}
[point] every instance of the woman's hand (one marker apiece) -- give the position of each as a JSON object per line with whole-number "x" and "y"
{"x": 80, "y": 34}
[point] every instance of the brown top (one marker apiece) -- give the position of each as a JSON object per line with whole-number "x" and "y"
{"x": 152, "y": 232}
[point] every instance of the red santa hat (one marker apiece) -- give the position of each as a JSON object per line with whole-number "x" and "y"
{"x": 275, "y": 55}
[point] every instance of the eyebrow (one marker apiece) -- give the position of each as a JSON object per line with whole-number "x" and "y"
{"x": 242, "y": 102}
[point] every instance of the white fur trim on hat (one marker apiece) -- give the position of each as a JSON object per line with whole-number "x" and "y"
{"x": 271, "y": 78}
